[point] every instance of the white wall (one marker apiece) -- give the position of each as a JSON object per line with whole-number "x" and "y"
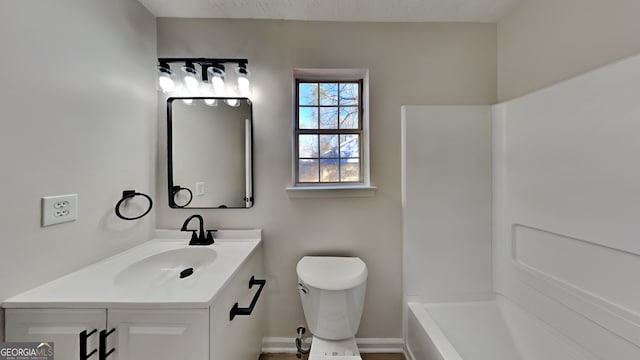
{"x": 437, "y": 63}
{"x": 447, "y": 202}
{"x": 542, "y": 42}
{"x": 78, "y": 116}
{"x": 566, "y": 202}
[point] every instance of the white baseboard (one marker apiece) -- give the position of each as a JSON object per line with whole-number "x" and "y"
{"x": 281, "y": 345}
{"x": 284, "y": 345}
{"x": 380, "y": 345}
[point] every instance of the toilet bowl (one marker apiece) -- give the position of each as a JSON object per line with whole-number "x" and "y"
{"x": 332, "y": 292}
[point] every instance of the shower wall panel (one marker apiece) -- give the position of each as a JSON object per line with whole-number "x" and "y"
{"x": 566, "y": 201}
{"x": 446, "y": 156}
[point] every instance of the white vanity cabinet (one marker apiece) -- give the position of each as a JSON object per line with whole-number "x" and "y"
{"x": 62, "y": 326}
{"x": 139, "y": 334}
{"x": 158, "y": 331}
{"x": 240, "y": 338}
{"x": 158, "y": 334}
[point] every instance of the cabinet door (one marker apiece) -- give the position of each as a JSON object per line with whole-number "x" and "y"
{"x": 61, "y": 326}
{"x": 158, "y": 334}
{"x": 240, "y": 338}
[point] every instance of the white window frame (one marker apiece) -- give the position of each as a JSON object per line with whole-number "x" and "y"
{"x": 363, "y": 189}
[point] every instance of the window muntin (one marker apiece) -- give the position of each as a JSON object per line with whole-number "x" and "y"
{"x": 329, "y": 132}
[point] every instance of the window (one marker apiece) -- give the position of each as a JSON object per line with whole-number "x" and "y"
{"x": 329, "y": 132}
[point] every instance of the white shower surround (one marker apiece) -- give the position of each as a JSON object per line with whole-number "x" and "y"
{"x": 565, "y": 202}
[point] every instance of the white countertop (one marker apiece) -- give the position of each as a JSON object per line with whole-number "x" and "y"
{"x": 102, "y": 285}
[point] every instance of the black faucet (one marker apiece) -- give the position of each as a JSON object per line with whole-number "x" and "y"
{"x": 199, "y": 239}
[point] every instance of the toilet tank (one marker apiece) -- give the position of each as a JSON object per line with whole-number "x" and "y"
{"x": 332, "y": 291}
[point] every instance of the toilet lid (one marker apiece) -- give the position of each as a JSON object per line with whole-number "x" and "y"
{"x": 332, "y": 273}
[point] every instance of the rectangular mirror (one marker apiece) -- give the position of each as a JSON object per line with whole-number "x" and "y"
{"x": 210, "y": 152}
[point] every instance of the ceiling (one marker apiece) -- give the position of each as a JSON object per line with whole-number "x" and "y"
{"x": 335, "y": 10}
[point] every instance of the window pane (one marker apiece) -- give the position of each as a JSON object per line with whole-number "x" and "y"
{"x": 308, "y": 118}
{"x": 350, "y": 170}
{"x": 308, "y": 145}
{"x": 329, "y": 118}
{"x": 307, "y": 94}
{"x": 349, "y": 94}
{"x": 349, "y": 146}
{"x": 329, "y": 94}
{"x": 329, "y": 170}
{"x": 349, "y": 117}
{"x": 328, "y": 132}
{"x": 308, "y": 170}
{"x": 328, "y": 146}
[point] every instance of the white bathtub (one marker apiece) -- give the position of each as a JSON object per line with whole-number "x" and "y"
{"x": 483, "y": 330}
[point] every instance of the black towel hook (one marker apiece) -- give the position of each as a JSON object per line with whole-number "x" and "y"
{"x": 129, "y": 194}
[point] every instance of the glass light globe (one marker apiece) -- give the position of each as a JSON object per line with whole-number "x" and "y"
{"x": 217, "y": 83}
{"x": 165, "y": 78}
{"x": 216, "y": 74}
{"x": 191, "y": 83}
{"x": 244, "y": 85}
{"x": 242, "y": 80}
{"x": 190, "y": 77}
{"x": 166, "y": 83}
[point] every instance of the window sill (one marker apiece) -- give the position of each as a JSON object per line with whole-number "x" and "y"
{"x": 309, "y": 192}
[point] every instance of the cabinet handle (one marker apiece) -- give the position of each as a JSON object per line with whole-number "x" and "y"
{"x": 235, "y": 310}
{"x": 103, "y": 344}
{"x": 83, "y": 344}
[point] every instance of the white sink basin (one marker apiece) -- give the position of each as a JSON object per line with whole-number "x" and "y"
{"x": 148, "y": 275}
{"x": 165, "y": 268}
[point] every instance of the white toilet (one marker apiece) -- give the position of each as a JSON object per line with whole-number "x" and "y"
{"x": 332, "y": 291}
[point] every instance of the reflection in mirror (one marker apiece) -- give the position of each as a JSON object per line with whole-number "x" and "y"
{"x": 209, "y": 152}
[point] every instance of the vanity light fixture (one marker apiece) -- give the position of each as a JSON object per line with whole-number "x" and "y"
{"x": 190, "y": 76}
{"x": 216, "y": 76}
{"x": 205, "y": 77}
{"x": 166, "y": 82}
{"x": 242, "y": 77}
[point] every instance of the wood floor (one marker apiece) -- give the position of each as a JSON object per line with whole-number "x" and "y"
{"x": 364, "y": 357}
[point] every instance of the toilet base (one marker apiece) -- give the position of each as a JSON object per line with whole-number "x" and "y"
{"x": 322, "y": 349}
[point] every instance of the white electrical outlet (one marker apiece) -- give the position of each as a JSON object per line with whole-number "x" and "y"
{"x": 59, "y": 209}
